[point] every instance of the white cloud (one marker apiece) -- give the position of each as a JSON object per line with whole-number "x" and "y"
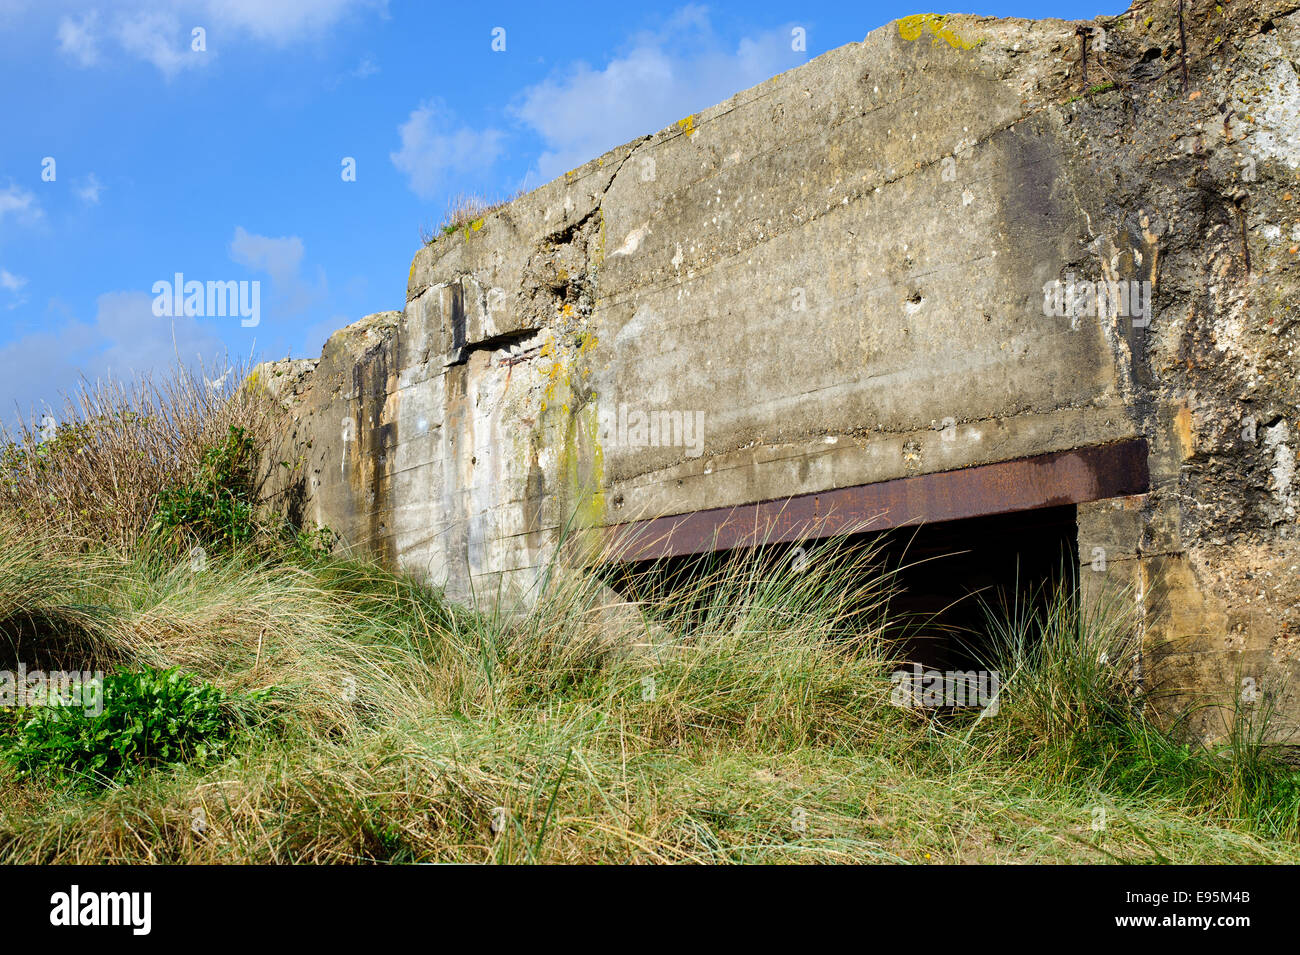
{"x": 18, "y": 204}
{"x": 158, "y": 38}
{"x": 123, "y": 340}
{"x": 280, "y": 258}
{"x": 13, "y": 284}
{"x": 138, "y": 341}
{"x": 89, "y": 189}
{"x": 163, "y": 36}
{"x": 364, "y": 69}
{"x": 662, "y": 76}
{"x": 431, "y": 149}
{"x": 78, "y": 39}
{"x": 283, "y": 22}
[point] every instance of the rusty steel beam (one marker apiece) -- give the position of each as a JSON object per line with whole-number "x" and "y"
{"x": 1046, "y": 480}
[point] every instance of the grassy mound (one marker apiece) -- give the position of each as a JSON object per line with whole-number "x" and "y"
{"x": 395, "y": 728}
{"x": 275, "y": 703}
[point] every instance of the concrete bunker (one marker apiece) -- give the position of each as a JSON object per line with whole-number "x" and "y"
{"x": 854, "y": 278}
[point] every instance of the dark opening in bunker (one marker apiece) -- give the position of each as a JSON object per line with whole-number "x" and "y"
{"x": 945, "y": 576}
{"x": 952, "y": 574}
{"x": 959, "y": 544}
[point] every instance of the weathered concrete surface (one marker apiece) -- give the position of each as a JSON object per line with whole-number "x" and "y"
{"x": 837, "y": 278}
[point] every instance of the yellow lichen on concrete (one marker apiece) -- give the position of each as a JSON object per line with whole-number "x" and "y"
{"x": 911, "y": 28}
{"x": 553, "y": 373}
{"x": 582, "y": 467}
{"x": 569, "y": 421}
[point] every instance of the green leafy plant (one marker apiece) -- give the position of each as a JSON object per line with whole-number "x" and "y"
{"x": 143, "y": 719}
{"x": 218, "y": 506}
{"x": 309, "y": 546}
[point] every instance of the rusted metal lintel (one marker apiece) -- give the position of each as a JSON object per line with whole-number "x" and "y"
{"x": 1046, "y": 480}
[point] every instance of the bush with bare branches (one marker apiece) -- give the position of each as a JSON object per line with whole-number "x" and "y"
{"x": 96, "y": 472}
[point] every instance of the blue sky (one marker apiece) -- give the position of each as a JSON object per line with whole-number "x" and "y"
{"x": 225, "y": 164}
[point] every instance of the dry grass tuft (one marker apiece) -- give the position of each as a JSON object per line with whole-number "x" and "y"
{"x": 463, "y": 211}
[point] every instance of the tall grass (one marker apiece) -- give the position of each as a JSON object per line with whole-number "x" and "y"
{"x": 755, "y": 727}
{"x": 1075, "y": 706}
{"x": 1069, "y": 668}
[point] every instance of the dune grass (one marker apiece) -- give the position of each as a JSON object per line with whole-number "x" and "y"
{"x": 757, "y": 728}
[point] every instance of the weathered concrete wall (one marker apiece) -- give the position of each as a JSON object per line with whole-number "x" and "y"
{"x": 837, "y": 278}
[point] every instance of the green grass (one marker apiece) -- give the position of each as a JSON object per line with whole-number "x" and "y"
{"x": 740, "y": 715}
